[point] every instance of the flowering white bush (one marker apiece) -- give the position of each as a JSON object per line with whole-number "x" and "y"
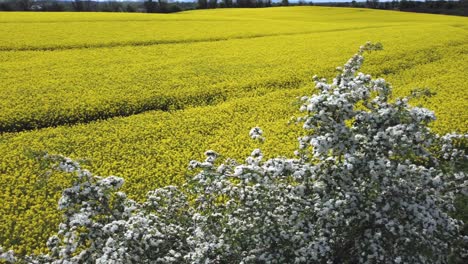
{"x": 370, "y": 184}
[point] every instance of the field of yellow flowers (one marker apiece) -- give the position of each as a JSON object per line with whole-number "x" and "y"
{"x": 140, "y": 95}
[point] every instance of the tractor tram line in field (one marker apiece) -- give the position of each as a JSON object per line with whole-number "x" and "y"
{"x": 168, "y": 42}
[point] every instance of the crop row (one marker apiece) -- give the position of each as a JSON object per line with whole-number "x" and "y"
{"x": 143, "y": 33}
{"x": 37, "y": 31}
{"x": 50, "y": 88}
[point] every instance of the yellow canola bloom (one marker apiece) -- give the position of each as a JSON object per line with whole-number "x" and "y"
{"x": 62, "y": 87}
{"x": 222, "y": 89}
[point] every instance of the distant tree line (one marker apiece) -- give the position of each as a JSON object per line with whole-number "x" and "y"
{"x": 150, "y": 6}
{"x": 167, "y": 6}
{"x": 428, "y": 6}
{"x": 204, "y": 4}
{"x": 453, "y": 7}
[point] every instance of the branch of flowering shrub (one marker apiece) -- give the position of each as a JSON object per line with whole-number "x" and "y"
{"x": 371, "y": 183}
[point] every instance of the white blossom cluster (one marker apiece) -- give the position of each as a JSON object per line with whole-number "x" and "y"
{"x": 7, "y": 256}
{"x": 371, "y": 184}
{"x": 256, "y": 133}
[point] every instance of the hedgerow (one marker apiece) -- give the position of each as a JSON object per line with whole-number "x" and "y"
{"x": 370, "y": 183}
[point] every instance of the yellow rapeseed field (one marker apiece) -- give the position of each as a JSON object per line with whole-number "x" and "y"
{"x": 140, "y": 95}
